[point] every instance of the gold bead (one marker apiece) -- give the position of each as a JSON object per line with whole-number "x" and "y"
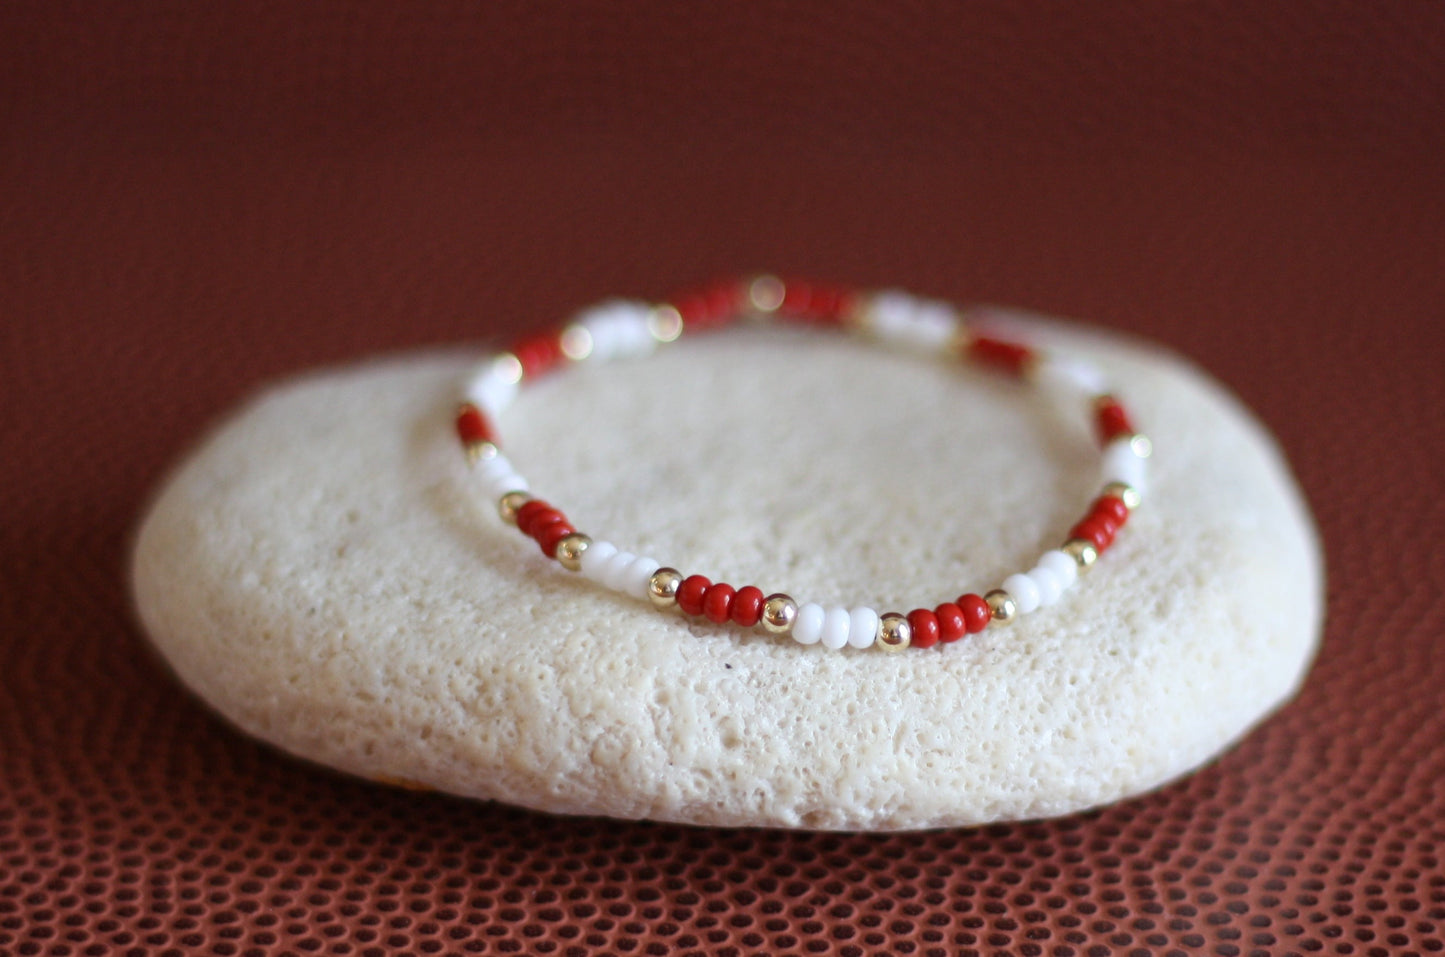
{"x": 508, "y": 504}
{"x": 765, "y": 294}
{"x": 665, "y": 323}
{"x": 576, "y": 342}
{"x": 662, "y": 587}
{"x": 480, "y": 451}
{"x": 778, "y": 614}
{"x": 569, "y": 551}
{"x": 507, "y": 367}
{"x": 1127, "y": 494}
{"x": 1002, "y": 605}
{"x": 1082, "y": 551}
{"x": 894, "y": 632}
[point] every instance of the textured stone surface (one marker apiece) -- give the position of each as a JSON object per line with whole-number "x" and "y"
{"x": 320, "y": 574}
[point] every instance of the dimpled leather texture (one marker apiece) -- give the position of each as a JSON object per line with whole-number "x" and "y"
{"x": 194, "y": 201}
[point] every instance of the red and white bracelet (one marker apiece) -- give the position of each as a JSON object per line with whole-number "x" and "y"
{"x": 627, "y": 329}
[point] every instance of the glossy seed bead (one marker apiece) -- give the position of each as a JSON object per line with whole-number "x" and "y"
{"x": 614, "y": 573}
{"x": 595, "y": 559}
{"x": 951, "y": 625}
{"x": 717, "y": 602}
{"x": 1008, "y": 356}
{"x": 543, "y": 520}
{"x": 835, "y": 628}
{"x": 1023, "y": 591}
{"x": 1093, "y": 531}
{"x": 528, "y": 511}
{"x": 549, "y": 537}
{"x": 472, "y": 425}
{"x": 1063, "y": 566}
{"x": 1110, "y": 419}
{"x": 862, "y": 627}
{"x": 748, "y": 606}
{"x": 690, "y": 593}
{"x": 1049, "y": 584}
{"x": 635, "y": 580}
{"x": 976, "y": 613}
{"x": 924, "y": 626}
{"x": 808, "y": 626}
{"x": 1113, "y": 507}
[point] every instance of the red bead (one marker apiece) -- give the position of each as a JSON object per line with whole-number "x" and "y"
{"x": 951, "y": 625}
{"x": 542, "y": 520}
{"x": 690, "y": 593}
{"x": 1009, "y": 356}
{"x": 711, "y": 307}
{"x": 976, "y": 613}
{"x": 472, "y": 425}
{"x": 530, "y": 510}
{"x": 548, "y": 536}
{"x": 811, "y": 302}
{"x": 538, "y": 354}
{"x": 1111, "y": 420}
{"x": 925, "y": 628}
{"x": 1113, "y": 507}
{"x": 1094, "y": 530}
{"x": 748, "y": 605}
{"x": 717, "y": 602}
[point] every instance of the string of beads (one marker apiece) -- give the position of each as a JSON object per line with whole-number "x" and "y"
{"x": 628, "y": 329}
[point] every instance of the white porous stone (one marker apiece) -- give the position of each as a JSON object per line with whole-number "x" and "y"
{"x": 324, "y": 571}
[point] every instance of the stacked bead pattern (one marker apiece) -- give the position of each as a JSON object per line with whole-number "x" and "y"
{"x": 626, "y": 329}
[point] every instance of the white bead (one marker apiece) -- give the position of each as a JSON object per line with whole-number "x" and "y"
{"x": 1073, "y": 374}
{"x": 917, "y": 324}
{"x": 1023, "y": 591}
{"x": 889, "y": 311}
{"x": 634, "y": 580}
{"x": 1065, "y": 569}
{"x": 618, "y": 329}
{"x": 808, "y": 626}
{"x": 862, "y": 627}
{"x": 1048, "y": 584}
{"x": 835, "y": 628}
{"x": 492, "y": 390}
{"x": 1121, "y": 464}
{"x": 594, "y": 560}
{"x": 614, "y": 572}
{"x": 497, "y": 484}
{"x": 934, "y": 327}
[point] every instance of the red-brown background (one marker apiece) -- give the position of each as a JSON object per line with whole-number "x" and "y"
{"x": 196, "y": 199}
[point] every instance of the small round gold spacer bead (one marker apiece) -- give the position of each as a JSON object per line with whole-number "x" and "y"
{"x": 894, "y": 632}
{"x": 576, "y": 342}
{"x": 508, "y": 504}
{"x": 1127, "y": 494}
{"x": 480, "y": 451}
{"x": 765, "y": 294}
{"x": 662, "y": 587}
{"x": 1002, "y": 605}
{"x": 569, "y": 551}
{"x": 1082, "y": 551}
{"x": 779, "y": 611}
{"x": 664, "y": 322}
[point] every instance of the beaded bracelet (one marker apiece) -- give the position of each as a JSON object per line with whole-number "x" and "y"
{"x": 625, "y": 329}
